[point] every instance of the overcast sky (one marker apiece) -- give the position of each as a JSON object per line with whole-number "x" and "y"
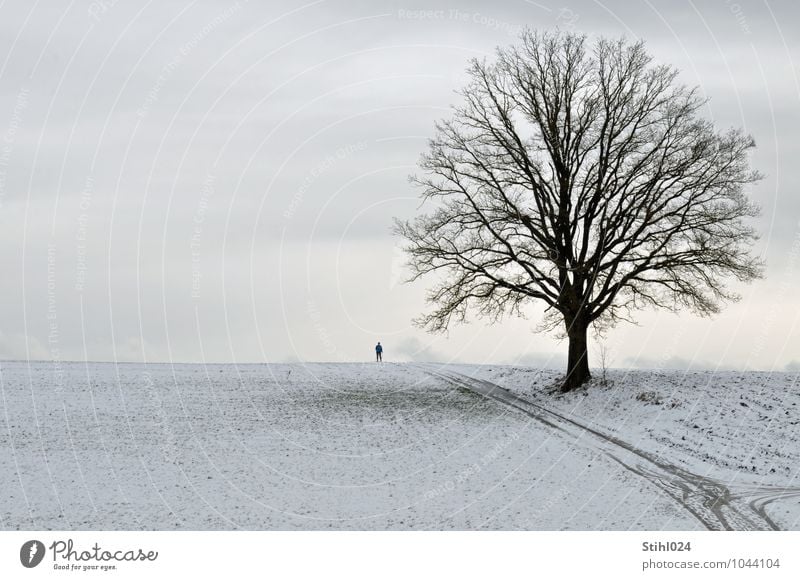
{"x": 216, "y": 180}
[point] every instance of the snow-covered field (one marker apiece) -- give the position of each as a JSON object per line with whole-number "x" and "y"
{"x": 392, "y": 446}
{"x": 728, "y": 423}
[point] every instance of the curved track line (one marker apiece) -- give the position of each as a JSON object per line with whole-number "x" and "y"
{"x": 716, "y": 505}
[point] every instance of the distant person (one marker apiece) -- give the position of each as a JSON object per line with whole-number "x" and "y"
{"x": 378, "y": 352}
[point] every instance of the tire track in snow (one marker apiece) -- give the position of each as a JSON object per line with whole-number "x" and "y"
{"x": 716, "y": 505}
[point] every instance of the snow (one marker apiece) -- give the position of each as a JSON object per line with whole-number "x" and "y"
{"x": 382, "y": 446}
{"x": 737, "y": 429}
{"x": 729, "y": 423}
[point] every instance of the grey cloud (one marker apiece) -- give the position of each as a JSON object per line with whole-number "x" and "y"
{"x": 414, "y": 349}
{"x": 149, "y": 107}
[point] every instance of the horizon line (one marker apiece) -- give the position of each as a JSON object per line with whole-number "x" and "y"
{"x": 301, "y": 362}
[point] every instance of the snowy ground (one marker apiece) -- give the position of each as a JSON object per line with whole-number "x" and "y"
{"x": 393, "y": 446}
{"x": 727, "y": 423}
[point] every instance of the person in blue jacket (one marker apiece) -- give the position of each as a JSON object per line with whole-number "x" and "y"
{"x": 378, "y": 352}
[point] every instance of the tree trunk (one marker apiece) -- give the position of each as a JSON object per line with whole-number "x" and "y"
{"x": 578, "y": 360}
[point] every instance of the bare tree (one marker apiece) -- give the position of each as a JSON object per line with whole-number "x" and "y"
{"x": 604, "y": 361}
{"x": 584, "y": 177}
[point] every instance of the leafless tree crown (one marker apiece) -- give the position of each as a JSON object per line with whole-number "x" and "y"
{"x": 583, "y": 176}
